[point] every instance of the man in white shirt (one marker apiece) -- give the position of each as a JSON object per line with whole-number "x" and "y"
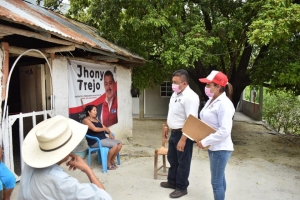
{"x": 183, "y": 102}
{"x": 45, "y": 148}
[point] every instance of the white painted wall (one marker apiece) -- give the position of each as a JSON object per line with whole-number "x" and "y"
{"x": 123, "y": 129}
{"x": 60, "y": 86}
{"x": 248, "y": 109}
{"x": 154, "y": 103}
{"x": 135, "y": 105}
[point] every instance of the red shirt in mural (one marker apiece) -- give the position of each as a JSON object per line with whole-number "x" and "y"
{"x": 109, "y": 114}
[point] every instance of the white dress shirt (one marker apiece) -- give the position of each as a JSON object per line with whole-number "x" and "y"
{"x": 181, "y": 106}
{"x": 218, "y": 115}
{"x": 54, "y": 183}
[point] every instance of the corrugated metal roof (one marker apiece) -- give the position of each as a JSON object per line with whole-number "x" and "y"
{"x": 46, "y": 20}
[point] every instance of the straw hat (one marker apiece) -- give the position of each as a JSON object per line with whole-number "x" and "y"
{"x": 52, "y": 140}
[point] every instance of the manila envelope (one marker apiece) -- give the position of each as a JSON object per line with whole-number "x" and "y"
{"x": 195, "y": 129}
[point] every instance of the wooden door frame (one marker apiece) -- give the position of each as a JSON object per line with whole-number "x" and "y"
{"x": 4, "y": 129}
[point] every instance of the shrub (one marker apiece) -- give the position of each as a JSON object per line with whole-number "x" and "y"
{"x": 282, "y": 112}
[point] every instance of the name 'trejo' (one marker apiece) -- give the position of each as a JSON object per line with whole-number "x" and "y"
{"x": 84, "y": 73}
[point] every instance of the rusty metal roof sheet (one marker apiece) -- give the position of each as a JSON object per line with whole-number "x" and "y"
{"x": 42, "y": 19}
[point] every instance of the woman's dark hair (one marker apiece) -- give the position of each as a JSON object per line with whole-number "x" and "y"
{"x": 88, "y": 109}
{"x": 228, "y": 89}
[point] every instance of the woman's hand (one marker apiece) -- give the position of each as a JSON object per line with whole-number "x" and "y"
{"x": 199, "y": 144}
{"x": 111, "y": 136}
{"x": 106, "y": 129}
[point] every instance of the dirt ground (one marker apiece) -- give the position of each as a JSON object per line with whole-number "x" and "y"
{"x": 256, "y": 141}
{"x": 262, "y": 166}
{"x": 250, "y": 141}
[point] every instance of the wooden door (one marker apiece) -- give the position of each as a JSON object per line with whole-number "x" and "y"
{"x": 32, "y": 92}
{"x": 48, "y": 86}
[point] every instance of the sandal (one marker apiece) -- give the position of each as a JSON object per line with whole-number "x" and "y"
{"x": 111, "y": 167}
{"x": 114, "y": 165}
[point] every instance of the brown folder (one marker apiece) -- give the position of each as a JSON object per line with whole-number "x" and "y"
{"x": 195, "y": 129}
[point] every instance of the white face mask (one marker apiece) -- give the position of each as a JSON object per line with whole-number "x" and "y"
{"x": 208, "y": 93}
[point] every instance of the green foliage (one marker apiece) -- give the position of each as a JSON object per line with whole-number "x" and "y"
{"x": 280, "y": 68}
{"x": 282, "y": 112}
{"x": 169, "y": 34}
{"x": 277, "y": 21}
{"x": 255, "y": 42}
{"x": 51, "y": 4}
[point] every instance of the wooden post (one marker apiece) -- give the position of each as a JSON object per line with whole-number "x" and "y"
{"x": 5, "y": 67}
{"x": 19, "y": 51}
{"x": 261, "y": 100}
{"x": 48, "y": 82}
{"x": 141, "y": 105}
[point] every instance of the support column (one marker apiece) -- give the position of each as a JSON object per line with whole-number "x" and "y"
{"x": 5, "y": 67}
{"x": 141, "y": 105}
{"x": 1, "y": 88}
{"x": 261, "y": 100}
{"x": 240, "y": 104}
{"x": 5, "y": 132}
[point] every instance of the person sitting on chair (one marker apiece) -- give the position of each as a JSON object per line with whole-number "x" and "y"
{"x": 7, "y": 178}
{"x": 98, "y": 130}
{"x": 45, "y": 148}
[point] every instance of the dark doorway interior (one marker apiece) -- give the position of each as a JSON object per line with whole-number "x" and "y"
{"x": 14, "y": 104}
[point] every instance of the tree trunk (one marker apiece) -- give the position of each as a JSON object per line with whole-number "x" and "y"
{"x": 238, "y": 88}
{"x": 238, "y": 80}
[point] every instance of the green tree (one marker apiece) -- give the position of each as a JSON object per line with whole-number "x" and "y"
{"x": 51, "y": 4}
{"x": 253, "y": 41}
{"x": 282, "y": 112}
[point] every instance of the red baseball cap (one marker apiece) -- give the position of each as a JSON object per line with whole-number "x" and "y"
{"x": 216, "y": 77}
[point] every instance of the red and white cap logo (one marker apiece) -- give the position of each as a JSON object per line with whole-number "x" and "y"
{"x": 216, "y": 77}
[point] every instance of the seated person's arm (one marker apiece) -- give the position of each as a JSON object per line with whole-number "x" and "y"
{"x": 94, "y": 190}
{"x": 93, "y": 127}
{"x": 109, "y": 134}
{"x": 78, "y": 162}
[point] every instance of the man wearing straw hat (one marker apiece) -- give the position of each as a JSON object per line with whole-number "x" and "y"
{"x": 44, "y": 149}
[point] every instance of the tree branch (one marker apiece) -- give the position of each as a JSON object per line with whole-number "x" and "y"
{"x": 207, "y": 21}
{"x": 223, "y": 65}
{"x": 260, "y": 55}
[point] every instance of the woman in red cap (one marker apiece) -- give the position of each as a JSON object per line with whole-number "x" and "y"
{"x": 218, "y": 113}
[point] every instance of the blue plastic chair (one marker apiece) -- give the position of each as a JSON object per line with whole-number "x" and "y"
{"x": 102, "y": 153}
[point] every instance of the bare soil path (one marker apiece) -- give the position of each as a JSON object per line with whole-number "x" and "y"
{"x": 263, "y": 166}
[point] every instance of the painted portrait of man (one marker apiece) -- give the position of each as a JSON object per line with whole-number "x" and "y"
{"x": 109, "y": 108}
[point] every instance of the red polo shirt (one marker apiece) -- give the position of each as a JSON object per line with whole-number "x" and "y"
{"x": 109, "y": 116}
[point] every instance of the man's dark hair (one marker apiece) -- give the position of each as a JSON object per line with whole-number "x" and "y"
{"x": 183, "y": 74}
{"x": 109, "y": 73}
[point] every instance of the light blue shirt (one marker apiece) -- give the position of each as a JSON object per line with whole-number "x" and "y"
{"x": 54, "y": 183}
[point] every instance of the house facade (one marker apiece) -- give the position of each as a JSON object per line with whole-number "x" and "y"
{"x": 38, "y": 49}
{"x": 154, "y": 102}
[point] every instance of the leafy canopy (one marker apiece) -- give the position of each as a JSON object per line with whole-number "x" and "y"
{"x": 253, "y": 41}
